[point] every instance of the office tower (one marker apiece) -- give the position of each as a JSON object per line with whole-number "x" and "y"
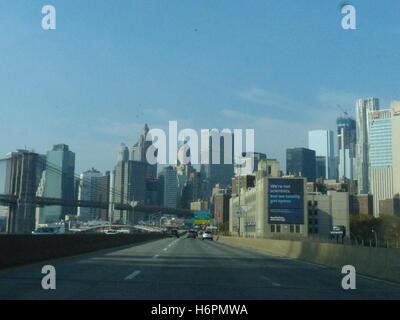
{"x": 22, "y": 177}
{"x": 395, "y": 109}
{"x": 57, "y": 182}
{"x": 152, "y": 191}
{"x": 89, "y": 190}
{"x": 301, "y": 162}
{"x": 320, "y": 163}
{"x": 363, "y": 107}
{"x": 380, "y": 156}
{"x": 104, "y": 194}
{"x": 168, "y": 187}
{"x": 129, "y": 185}
{"x": 221, "y": 208}
{"x": 139, "y": 151}
{"x": 123, "y": 153}
{"x": 321, "y": 141}
{"x": 346, "y": 134}
{"x": 220, "y": 167}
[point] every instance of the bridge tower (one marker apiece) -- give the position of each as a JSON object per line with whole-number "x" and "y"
{"x": 21, "y": 182}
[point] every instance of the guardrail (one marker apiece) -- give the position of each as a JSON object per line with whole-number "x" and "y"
{"x": 24, "y": 249}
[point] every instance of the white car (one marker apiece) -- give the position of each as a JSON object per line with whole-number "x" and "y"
{"x": 207, "y": 235}
{"x": 112, "y": 232}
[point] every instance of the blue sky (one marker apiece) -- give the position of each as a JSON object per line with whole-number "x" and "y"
{"x": 280, "y": 67}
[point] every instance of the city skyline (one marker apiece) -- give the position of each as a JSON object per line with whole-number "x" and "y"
{"x": 199, "y": 151}
{"x": 95, "y": 91}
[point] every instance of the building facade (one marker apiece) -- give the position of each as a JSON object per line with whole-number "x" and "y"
{"x": 363, "y": 107}
{"x": 58, "y": 181}
{"x": 301, "y": 162}
{"x": 380, "y": 156}
{"x": 168, "y": 187}
{"x": 265, "y": 215}
{"x": 89, "y": 190}
{"x": 346, "y": 137}
{"x": 322, "y": 142}
{"x": 220, "y": 167}
{"x": 395, "y": 109}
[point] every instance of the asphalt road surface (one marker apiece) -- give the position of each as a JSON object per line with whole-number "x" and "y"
{"x": 186, "y": 269}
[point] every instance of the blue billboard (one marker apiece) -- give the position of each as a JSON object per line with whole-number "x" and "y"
{"x": 286, "y": 201}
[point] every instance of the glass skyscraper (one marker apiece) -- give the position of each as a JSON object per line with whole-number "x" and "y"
{"x": 346, "y": 135}
{"x": 57, "y": 182}
{"x": 301, "y": 162}
{"x": 321, "y": 141}
{"x": 380, "y": 156}
{"x": 363, "y": 107}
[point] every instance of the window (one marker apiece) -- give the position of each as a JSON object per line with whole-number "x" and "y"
{"x": 297, "y": 228}
{"x": 310, "y": 221}
{"x": 272, "y": 228}
{"x": 278, "y": 228}
{"x": 291, "y": 228}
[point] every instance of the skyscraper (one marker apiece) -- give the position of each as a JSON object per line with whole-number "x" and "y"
{"x": 57, "y": 182}
{"x": 89, "y": 190}
{"x": 363, "y": 107}
{"x": 168, "y": 187}
{"x": 395, "y": 109}
{"x": 104, "y": 193}
{"x": 346, "y": 135}
{"x": 380, "y": 156}
{"x": 220, "y": 167}
{"x": 129, "y": 185}
{"x": 123, "y": 153}
{"x": 321, "y": 141}
{"x": 139, "y": 151}
{"x": 301, "y": 162}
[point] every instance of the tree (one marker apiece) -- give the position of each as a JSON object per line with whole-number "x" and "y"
{"x": 361, "y": 228}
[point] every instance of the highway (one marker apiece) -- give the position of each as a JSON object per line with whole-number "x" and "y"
{"x": 185, "y": 268}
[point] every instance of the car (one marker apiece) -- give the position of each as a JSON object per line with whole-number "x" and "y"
{"x": 207, "y": 235}
{"x": 192, "y": 234}
{"x": 112, "y": 232}
{"x": 175, "y": 233}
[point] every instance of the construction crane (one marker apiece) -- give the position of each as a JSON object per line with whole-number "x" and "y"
{"x": 341, "y": 109}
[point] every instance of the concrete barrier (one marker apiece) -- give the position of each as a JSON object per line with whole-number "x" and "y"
{"x": 23, "y": 249}
{"x": 376, "y": 262}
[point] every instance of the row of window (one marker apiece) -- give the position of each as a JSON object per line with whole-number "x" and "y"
{"x": 278, "y": 228}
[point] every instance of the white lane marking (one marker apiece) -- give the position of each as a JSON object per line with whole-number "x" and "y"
{"x": 156, "y": 256}
{"x": 132, "y": 275}
{"x": 275, "y": 284}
